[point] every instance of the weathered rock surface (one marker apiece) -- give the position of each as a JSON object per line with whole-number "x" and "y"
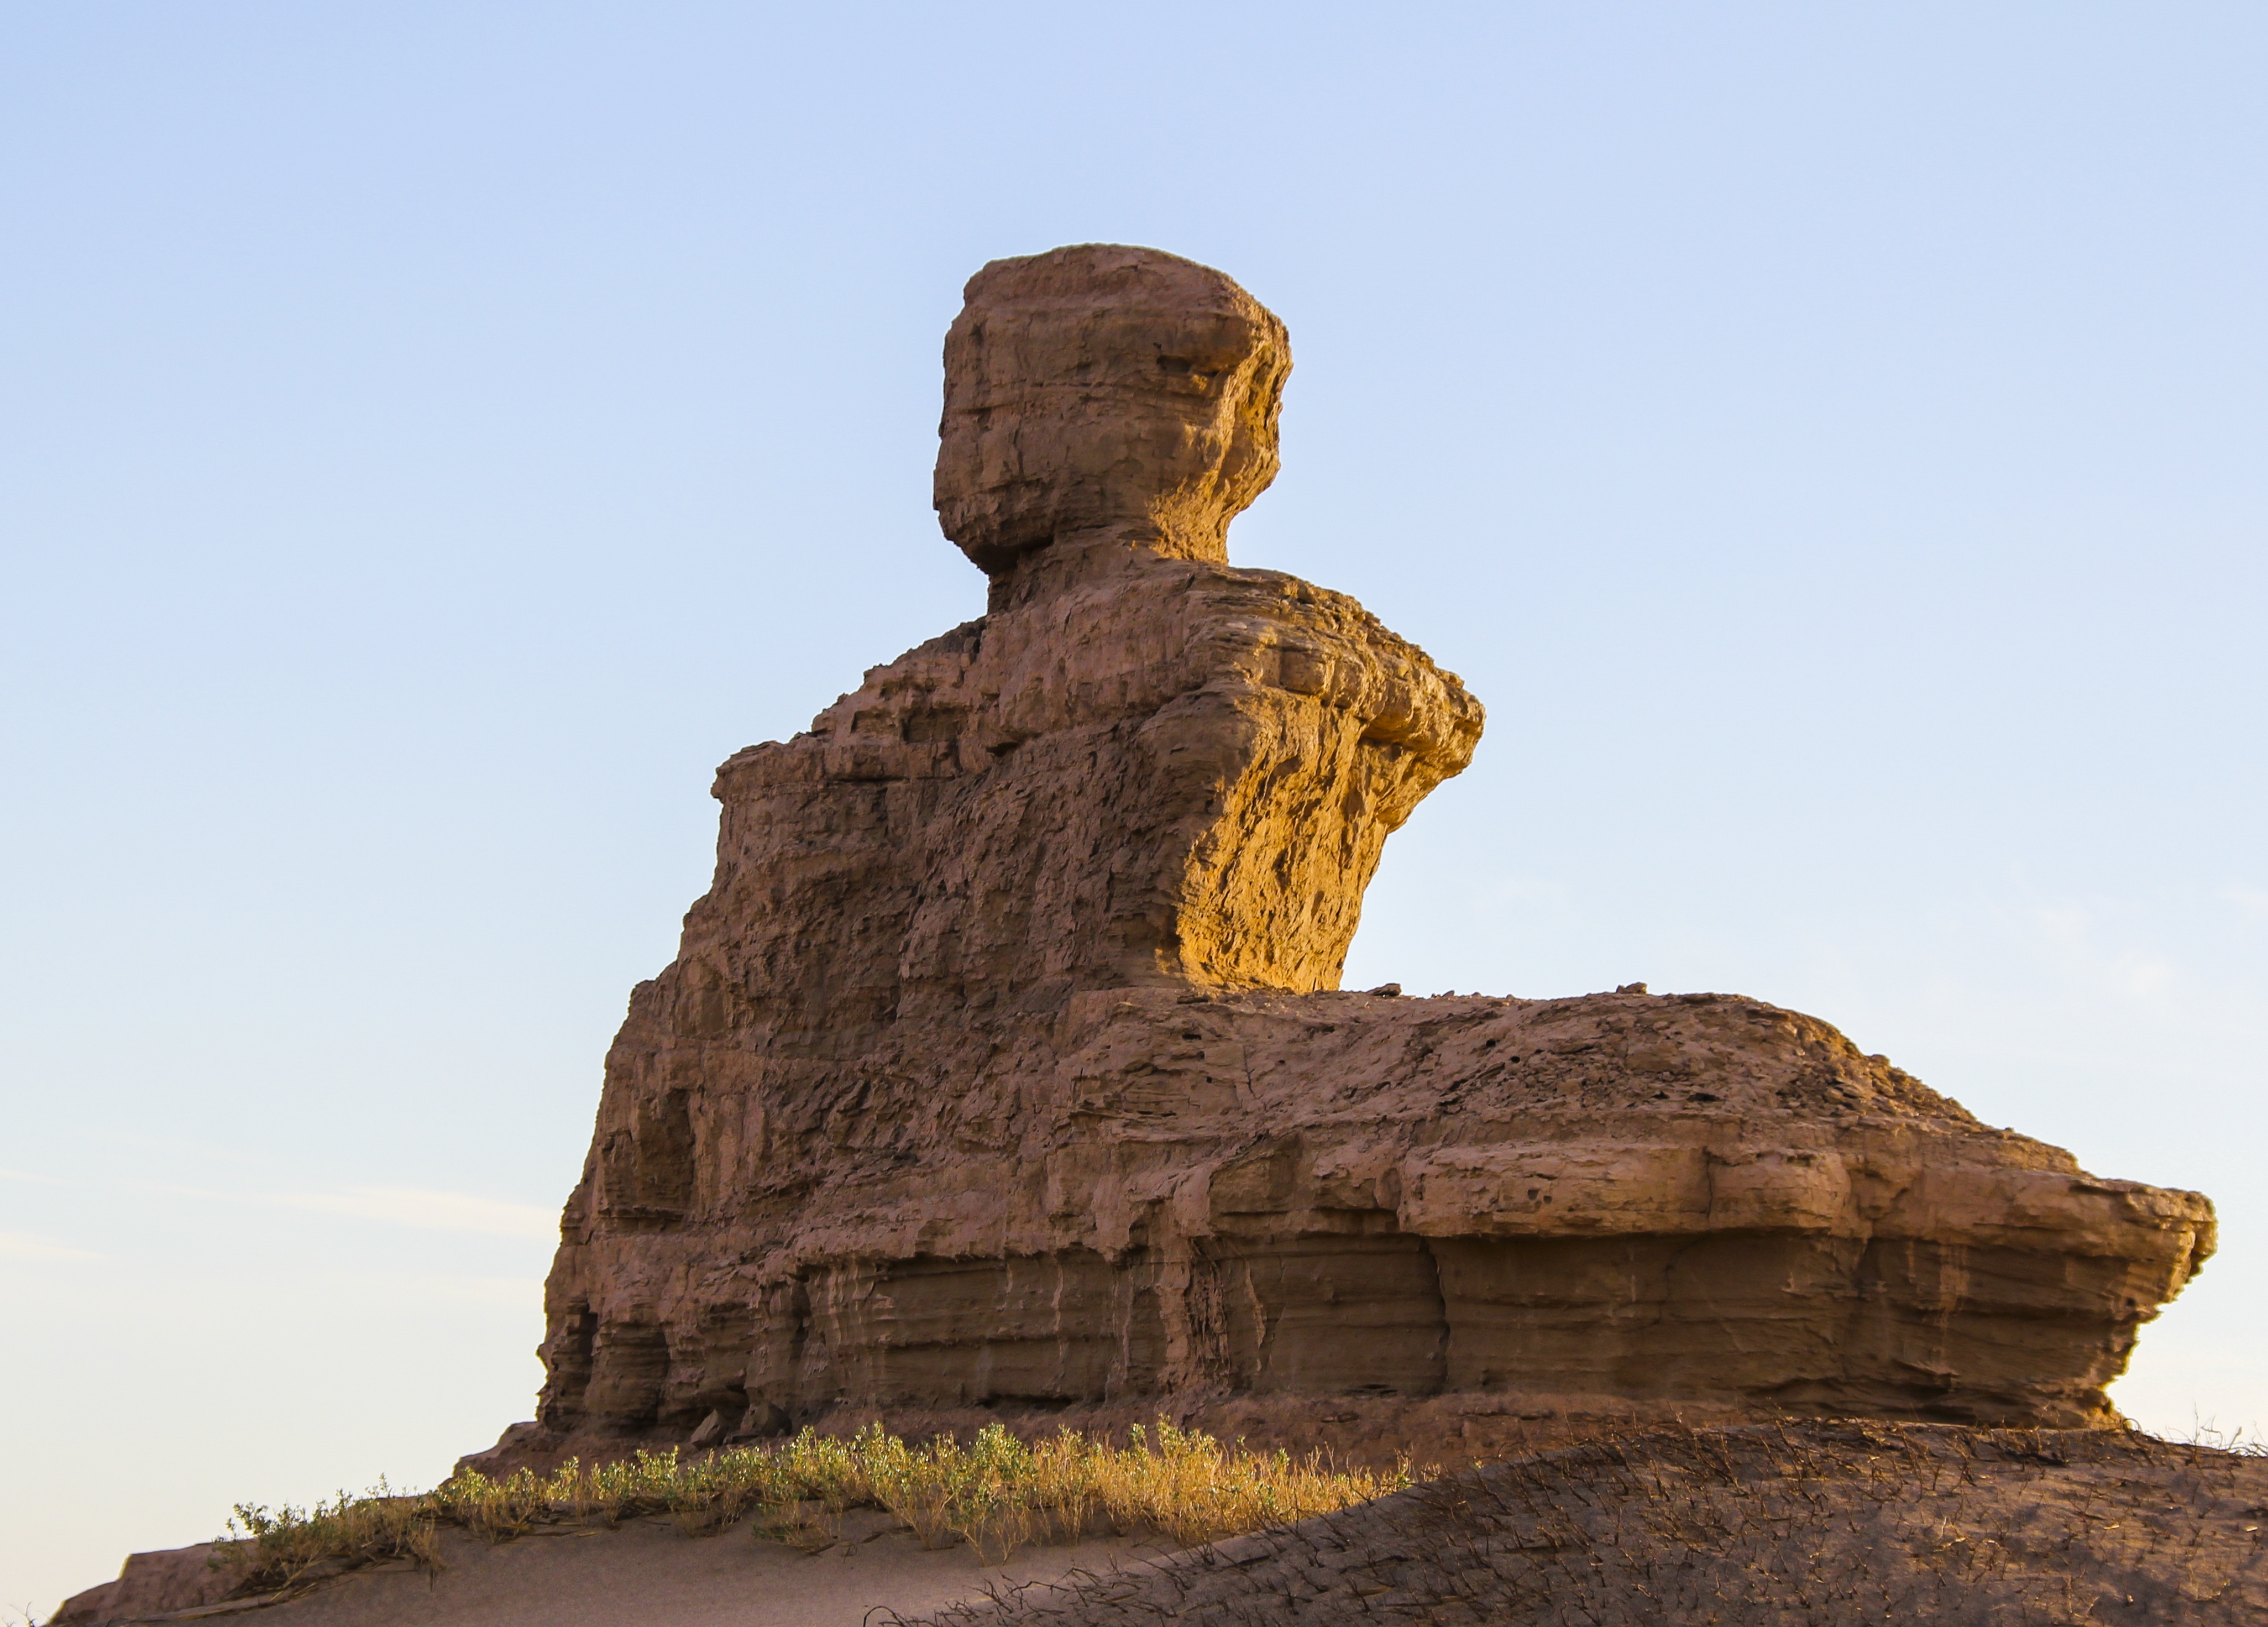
{"x": 1004, "y": 1061}
{"x": 1101, "y": 391}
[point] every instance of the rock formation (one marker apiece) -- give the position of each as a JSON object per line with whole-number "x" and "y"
{"x": 1004, "y": 1061}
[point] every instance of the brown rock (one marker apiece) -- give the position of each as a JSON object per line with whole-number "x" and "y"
{"x": 154, "y": 1584}
{"x": 1106, "y": 392}
{"x": 1004, "y": 1061}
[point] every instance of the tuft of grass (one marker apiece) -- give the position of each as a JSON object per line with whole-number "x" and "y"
{"x": 996, "y": 1493}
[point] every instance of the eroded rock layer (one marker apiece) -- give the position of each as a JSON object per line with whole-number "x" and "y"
{"x": 1004, "y": 1061}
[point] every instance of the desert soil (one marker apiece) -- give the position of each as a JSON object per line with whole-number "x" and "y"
{"x": 1827, "y": 1524}
{"x": 646, "y": 1573}
{"x": 1824, "y": 1523}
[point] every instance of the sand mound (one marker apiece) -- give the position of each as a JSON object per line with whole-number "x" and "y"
{"x": 1826, "y": 1523}
{"x": 646, "y": 1573}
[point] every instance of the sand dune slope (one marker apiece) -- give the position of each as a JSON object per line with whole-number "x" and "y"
{"x": 645, "y": 1574}
{"x": 1757, "y": 1526}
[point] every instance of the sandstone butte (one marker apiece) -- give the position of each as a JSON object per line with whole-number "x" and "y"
{"x": 1005, "y": 1064}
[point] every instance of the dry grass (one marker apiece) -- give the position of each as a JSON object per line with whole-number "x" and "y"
{"x": 1824, "y": 1522}
{"x": 996, "y": 1493}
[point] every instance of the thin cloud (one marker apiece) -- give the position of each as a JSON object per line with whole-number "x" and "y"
{"x": 417, "y": 1207}
{"x": 2072, "y": 937}
{"x": 26, "y": 1175}
{"x": 516, "y": 1293}
{"x": 428, "y": 1211}
{"x": 25, "y": 1246}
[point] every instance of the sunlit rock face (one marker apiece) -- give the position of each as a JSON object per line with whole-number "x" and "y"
{"x": 1101, "y": 391}
{"x": 1004, "y": 1061}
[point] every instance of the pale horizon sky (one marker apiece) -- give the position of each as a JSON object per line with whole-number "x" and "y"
{"x": 431, "y": 438}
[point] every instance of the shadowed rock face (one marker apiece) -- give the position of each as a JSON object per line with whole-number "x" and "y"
{"x": 1004, "y": 1061}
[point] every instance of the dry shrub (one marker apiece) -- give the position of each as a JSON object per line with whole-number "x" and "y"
{"x": 1188, "y": 1488}
{"x": 999, "y": 1493}
{"x": 495, "y": 1509}
{"x": 281, "y": 1549}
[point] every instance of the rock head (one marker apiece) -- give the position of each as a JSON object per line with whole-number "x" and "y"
{"x": 1106, "y": 392}
{"x": 1005, "y": 1064}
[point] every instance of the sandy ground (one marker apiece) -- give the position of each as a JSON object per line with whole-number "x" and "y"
{"x": 1801, "y": 1525}
{"x": 646, "y": 1573}
{"x": 1823, "y": 1523}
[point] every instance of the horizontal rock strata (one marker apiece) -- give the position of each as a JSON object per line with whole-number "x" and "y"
{"x": 1630, "y": 1195}
{"x": 1004, "y": 1061}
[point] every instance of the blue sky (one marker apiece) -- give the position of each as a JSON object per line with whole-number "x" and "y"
{"x": 431, "y": 437}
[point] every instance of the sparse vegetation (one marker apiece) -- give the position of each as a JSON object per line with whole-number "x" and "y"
{"x": 291, "y": 1545}
{"x": 996, "y": 1493}
{"x": 1815, "y": 1521}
